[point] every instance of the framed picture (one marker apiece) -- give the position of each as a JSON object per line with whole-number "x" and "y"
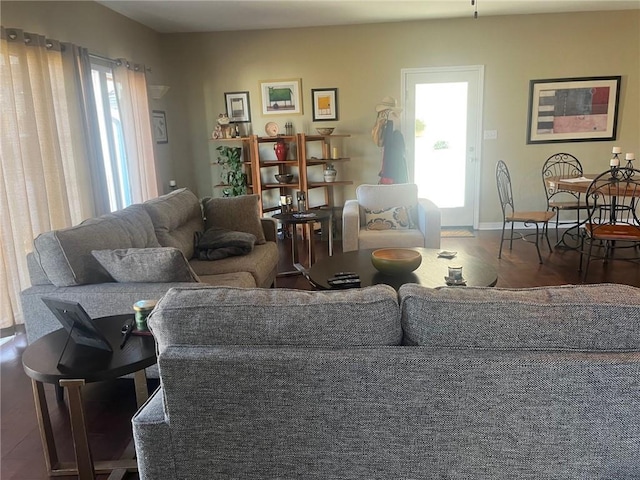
{"x": 160, "y": 126}
{"x": 238, "y": 107}
{"x": 281, "y": 97}
{"x": 573, "y": 109}
{"x": 325, "y": 104}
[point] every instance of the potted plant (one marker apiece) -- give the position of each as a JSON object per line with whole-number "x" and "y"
{"x": 230, "y": 159}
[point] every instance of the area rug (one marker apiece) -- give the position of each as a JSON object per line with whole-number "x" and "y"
{"x": 456, "y": 233}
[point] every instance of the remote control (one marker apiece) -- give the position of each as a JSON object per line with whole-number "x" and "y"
{"x": 345, "y": 282}
{"x": 344, "y": 277}
{"x": 345, "y": 274}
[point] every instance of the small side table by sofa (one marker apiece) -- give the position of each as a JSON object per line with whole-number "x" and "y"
{"x": 307, "y": 219}
{"x": 40, "y": 360}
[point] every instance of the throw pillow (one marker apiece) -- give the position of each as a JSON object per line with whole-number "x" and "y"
{"x": 217, "y": 243}
{"x": 151, "y": 265}
{"x": 394, "y": 218}
{"x": 239, "y": 214}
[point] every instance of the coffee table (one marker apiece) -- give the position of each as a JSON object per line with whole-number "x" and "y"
{"x": 430, "y": 273}
{"x": 40, "y": 361}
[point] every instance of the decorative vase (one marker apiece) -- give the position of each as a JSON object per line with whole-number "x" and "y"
{"x": 281, "y": 151}
{"x": 330, "y": 174}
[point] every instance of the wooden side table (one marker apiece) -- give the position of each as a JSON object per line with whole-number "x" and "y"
{"x": 307, "y": 219}
{"x": 40, "y": 361}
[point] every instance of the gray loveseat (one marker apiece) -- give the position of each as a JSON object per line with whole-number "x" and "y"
{"x": 458, "y": 383}
{"x": 62, "y": 264}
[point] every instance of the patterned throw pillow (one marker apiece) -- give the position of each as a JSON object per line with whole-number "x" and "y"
{"x": 394, "y": 218}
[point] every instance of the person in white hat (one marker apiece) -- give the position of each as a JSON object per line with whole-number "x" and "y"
{"x": 386, "y": 134}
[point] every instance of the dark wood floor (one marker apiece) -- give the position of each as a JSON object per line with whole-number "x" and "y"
{"x": 110, "y": 405}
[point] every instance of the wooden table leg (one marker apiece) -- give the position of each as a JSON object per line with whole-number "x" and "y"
{"x": 84, "y": 460}
{"x": 44, "y": 424}
{"x": 142, "y": 391}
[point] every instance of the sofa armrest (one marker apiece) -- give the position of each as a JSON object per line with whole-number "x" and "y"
{"x": 350, "y": 225}
{"x": 152, "y": 438}
{"x": 429, "y": 218}
{"x": 270, "y": 227}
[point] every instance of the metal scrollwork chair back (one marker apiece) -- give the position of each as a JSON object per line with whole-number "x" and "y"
{"x": 562, "y": 165}
{"x": 612, "y": 208}
{"x": 540, "y": 219}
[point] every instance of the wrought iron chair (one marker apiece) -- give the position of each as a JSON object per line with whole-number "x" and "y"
{"x": 562, "y": 165}
{"x": 510, "y": 215}
{"x": 612, "y": 209}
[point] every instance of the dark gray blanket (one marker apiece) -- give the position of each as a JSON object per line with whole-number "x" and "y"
{"x": 217, "y": 243}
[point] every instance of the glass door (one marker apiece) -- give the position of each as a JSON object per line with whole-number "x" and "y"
{"x": 442, "y": 122}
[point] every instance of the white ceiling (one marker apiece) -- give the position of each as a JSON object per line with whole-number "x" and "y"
{"x": 172, "y": 16}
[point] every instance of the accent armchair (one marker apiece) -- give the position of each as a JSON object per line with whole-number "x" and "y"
{"x": 389, "y": 216}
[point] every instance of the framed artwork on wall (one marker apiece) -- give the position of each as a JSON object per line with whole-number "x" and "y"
{"x": 160, "y": 126}
{"x": 325, "y": 104}
{"x": 281, "y": 97}
{"x": 238, "y": 109}
{"x": 573, "y": 109}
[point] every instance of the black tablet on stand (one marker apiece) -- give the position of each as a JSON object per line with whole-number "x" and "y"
{"x": 85, "y": 347}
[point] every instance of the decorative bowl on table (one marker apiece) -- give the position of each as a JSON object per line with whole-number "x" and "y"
{"x": 284, "y": 178}
{"x": 325, "y": 130}
{"x": 395, "y": 261}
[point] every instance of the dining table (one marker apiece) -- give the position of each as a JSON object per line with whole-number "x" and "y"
{"x": 570, "y": 239}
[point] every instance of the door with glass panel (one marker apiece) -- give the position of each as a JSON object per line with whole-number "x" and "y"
{"x": 442, "y": 125}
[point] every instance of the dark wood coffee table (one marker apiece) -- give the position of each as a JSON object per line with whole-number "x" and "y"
{"x": 430, "y": 273}
{"x": 40, "y": 361}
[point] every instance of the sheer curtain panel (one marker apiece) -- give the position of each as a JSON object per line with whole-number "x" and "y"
{"x": 131, "y": 83}
{"x": 41, "y": 186}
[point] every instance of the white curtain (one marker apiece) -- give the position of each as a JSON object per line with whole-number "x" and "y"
{"x": 41, "y": 186}
{"x": 131, "y": 88}
{"x": 51, "y": 169}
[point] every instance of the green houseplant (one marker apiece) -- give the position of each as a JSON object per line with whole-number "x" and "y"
{"x": 230, "y": 158}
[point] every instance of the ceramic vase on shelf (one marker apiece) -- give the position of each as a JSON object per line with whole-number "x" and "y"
{"x": 330, "y": 173}
{"x": 281, "y": 150}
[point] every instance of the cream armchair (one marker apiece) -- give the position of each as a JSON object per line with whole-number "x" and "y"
{"x": 389, "y": 201}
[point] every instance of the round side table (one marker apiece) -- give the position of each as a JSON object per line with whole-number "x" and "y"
{"x": 40, "y": 362}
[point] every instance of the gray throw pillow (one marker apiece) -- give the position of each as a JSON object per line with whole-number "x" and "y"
{"x": 240, "y": 214}
{"x": 149, "y": 265}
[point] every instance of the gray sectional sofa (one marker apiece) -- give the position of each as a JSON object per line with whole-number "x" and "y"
{"x": 149, "y": 248}
{"x": 456, "y": 383}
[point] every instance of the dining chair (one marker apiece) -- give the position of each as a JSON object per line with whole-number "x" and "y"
{"x": 562, "y": 165}
{"x": 612, "y": 208}
{"x": 510, "y": 215}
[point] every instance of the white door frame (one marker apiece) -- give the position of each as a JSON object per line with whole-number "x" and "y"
{"x": 408, "y": 130}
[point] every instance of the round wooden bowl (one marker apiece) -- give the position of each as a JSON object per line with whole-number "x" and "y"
{"x": 395, "y": 261}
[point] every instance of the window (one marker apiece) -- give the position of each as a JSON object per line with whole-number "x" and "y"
{"x": 111, "y": 134}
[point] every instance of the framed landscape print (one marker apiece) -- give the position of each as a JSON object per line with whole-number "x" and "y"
{"x": 160, "y": 126}
{"x": 238, "y": 109}
{"x": 325, "y": 104}
{"x": 573, "y": 109}
{"x": 281, "y": 97}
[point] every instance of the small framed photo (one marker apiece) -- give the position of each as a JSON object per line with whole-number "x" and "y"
{"x": 160, "y": 126}
{"x": 573, "y": 109}
{"x": 325, "y": 104}
{"x": 238, "y": 109}
{"x": 281, "y": 97}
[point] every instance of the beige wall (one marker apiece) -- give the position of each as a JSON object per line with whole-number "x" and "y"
{"x": 364, "y": 63}
{"x": 103, "y": 32}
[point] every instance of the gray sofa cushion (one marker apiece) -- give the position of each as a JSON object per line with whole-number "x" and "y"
{"x": 151, "y": 265}
{"x": 572, "y": 317}
{"x": 65, "y": 254}
{"x": 176, "y": 218}
{"x": 235, "y": 316}
{"x": 223, "y": 213}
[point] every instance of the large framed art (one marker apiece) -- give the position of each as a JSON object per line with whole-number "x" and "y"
{"x": 281, "y": 97}
{"x": 573, "y": 109}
